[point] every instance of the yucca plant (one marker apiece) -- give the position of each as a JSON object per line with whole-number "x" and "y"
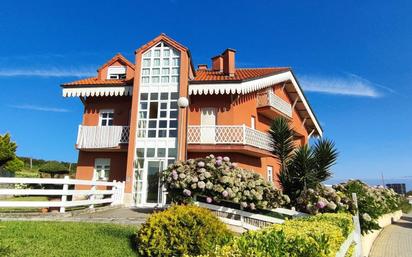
{"x": 301, "y": 167}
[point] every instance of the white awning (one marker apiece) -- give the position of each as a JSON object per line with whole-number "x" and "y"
{"x": 97, "y": 91}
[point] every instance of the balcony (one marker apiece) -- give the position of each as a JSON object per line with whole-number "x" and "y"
{"x": 102, "y": 137}
{"x": 270, "y": 105}
{"x": 230, "y": 138}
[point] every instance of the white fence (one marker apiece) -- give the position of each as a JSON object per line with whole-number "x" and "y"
{"x": 94, "y": 137}
{"x": 268, "y": 98}
{"x": 113, "y": 196}
{"x": 228, "y": 134}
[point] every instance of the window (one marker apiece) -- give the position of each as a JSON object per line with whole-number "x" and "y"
{"x": 269, "y": 173}
{"x": 101, "y": 169}
{"x": 116, "y": 72}
{"x": 106, "y": 117}
{"x": 253, "y": 122}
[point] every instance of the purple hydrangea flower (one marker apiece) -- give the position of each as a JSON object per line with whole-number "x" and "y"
{"x": 209, "y": 200}
{"x": 219, "y": 158}
{"x": 187, "y": 192}
{"x": 320, "y": 205}
{"x": 225, "y": 193}
{"x": 218, "y": 162}
{"x": 175, "y": 176}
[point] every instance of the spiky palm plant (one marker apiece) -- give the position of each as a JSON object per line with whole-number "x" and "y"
{"x": 300, "y": 167}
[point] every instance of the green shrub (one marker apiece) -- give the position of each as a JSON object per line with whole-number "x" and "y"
{"x": 319, "y": 236}
{"x": 13, "y": 166}
{"x": 219, "y": 179}
{"x": 181, "y": 230}
{"x": 405, "y": 206}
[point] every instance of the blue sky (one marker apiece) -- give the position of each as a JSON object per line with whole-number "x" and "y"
{"x": 351, "y": 57}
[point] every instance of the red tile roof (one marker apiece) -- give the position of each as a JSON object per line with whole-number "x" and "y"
{"x": 96, "y": 81}
{"x": 240, "y": 74}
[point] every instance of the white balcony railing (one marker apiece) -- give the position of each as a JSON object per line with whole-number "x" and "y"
{"x": 228, "y": 134}
{"x": 95, "y": 137}
{"x": 268, "y": 98}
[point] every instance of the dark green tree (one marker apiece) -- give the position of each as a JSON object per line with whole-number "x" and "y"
{"x": 301, "y": 167}
{"x": 14, "y": 165}
{"x": 54, "y": 169}
{"x": 7, "y": 149}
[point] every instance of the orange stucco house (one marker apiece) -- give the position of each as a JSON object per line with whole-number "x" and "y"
{"x": 133, "y": 126}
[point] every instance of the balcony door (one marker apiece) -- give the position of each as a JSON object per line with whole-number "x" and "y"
{"x": 208, "y": 125}
{"x": 153, "y": 194}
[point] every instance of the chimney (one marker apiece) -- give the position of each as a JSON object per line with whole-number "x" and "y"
{"x": 217, "y": 63}
{"x": 229, "y": 62}
{"x": 202, "y": 67}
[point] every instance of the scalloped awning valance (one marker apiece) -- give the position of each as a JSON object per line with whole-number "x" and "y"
{"x": 97, "y": 91}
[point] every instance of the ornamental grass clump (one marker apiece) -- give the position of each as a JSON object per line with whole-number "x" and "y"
{"x": 181, "y": 230}
{"x": 219, "y": 179}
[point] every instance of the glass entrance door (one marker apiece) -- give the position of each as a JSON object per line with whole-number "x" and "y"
{"x": 153, "y": 192}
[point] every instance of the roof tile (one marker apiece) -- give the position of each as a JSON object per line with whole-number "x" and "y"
{"x": 96, "y": 81}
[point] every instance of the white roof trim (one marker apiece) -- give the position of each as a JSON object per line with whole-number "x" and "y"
{"x": 251, "y": 86}
{"x": 97, "y": 91}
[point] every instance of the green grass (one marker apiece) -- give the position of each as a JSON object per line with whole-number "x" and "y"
{"x": 34, "y": 238}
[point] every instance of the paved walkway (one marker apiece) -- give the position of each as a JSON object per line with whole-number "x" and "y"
{"x": 395, "y": 240}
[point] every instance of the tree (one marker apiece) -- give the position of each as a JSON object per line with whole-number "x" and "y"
{"x": 54, "y": 168}
{"x": 301, "y": 167}
{"x": 7, "y": 149}
{"x": 14, "y": 165}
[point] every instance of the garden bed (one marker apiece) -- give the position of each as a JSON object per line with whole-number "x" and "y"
{"x": 65, "y": 239}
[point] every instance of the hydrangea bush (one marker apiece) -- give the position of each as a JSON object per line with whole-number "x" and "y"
{"x": 217, "y": 178}
{"x": 373, "y": 202}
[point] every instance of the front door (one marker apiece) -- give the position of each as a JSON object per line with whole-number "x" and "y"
{"x": 153, "y": 194}
{"x": 208, "y": 125}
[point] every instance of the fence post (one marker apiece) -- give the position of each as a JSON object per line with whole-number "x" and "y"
{"x": 64, "y": 194}
{"x": 115, "y": 195}
{"x": 358, "y": 233}
{"x": 92, "y": 196}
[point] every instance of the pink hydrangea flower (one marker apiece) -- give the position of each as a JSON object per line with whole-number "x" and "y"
{"x": 209, "y": 200}
{"x": 225, "y": 193}
{"x": 187, "y": 192}
{"x": 320, "y": 205}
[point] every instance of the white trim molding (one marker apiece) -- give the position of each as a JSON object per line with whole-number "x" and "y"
{"x": 97, "y": 91}
{"x": 245, "y": 87}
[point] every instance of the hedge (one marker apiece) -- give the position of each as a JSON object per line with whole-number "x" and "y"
{"x": 320, "y": 236}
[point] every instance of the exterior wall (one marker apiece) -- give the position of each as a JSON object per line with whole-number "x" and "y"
{"x": 120, "y": 104}
{"x": 85, "y": 165}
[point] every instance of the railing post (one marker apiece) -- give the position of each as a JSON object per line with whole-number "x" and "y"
{"x": 64, "y": 194}
{"x": 358, "y": 233}
{"x": 115, "y": 195}
{"x": 244, "y": 133}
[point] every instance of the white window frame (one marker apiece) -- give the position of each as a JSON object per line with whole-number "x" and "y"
{"x": 116, "y": 72}
{"x": 253, "y": 122}
{"x": 101, "y": 169}
{"x": 107, "y": 119}
{"x": 269, "y": 173}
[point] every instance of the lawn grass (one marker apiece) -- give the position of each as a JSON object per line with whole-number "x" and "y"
{"x": 46, "y": 239}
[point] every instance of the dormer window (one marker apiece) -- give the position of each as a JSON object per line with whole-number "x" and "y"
{"x": 116, "y": 72}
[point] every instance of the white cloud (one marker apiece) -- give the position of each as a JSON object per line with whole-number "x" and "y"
{"x": 349, "y": 85}
{"x": 51, "y": 72}
{"x": 38, "y": 108}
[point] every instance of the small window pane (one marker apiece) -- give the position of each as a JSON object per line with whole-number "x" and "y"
{"x": 175, "y": 62}
{"x": 174, "y": 96}
{"x": 162, "y": 133}
{"x": 152, "y": 124}
{"x": 143, "y": 115}
{"x": 165, "y": 79}
{"x": 146, "y": 62}
{"x": 165, "y": 71}
{"x": 146, "y": 72}
{"x": 161, "y": 152}
{"x": 151, "y": 152}
{"x": 110, "y": 122}
{"x": 154, "y": 106}
{"x": 175, "y": 79}
{"x": 140, "y": 152}
{"x": 157, "y": 53}
{"x": 175, "y": 71}
{"x": 173, "y": 114}
{"x": 163, "y": 114}
{"x": 173, "y": 105}
{"x": 166, "y": 62}
{"x": 164, "y": 96}
{"x": 147, "y": 54}
{"x": 163, "y": 106}
{"x": 155, "y": 80}
{"x": 142, "y": 124}
{"x": 156, "y": 71}
{"x": 145, "y": 80}
{"x": 143, "y": 96}
{"x": 143, "y": 105}
{"x": 151, "y": 133}
{"x": 156, "y": 62}
{"x": 154, "y": 96}
{"x": 171, "y": 152}
{"x": 162, "y": 124}
{"x": 173, "y": 124}
{"x": 166, "y": 52}
{"x": 104, "y": 123}
{"x": 173, "y": 133}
